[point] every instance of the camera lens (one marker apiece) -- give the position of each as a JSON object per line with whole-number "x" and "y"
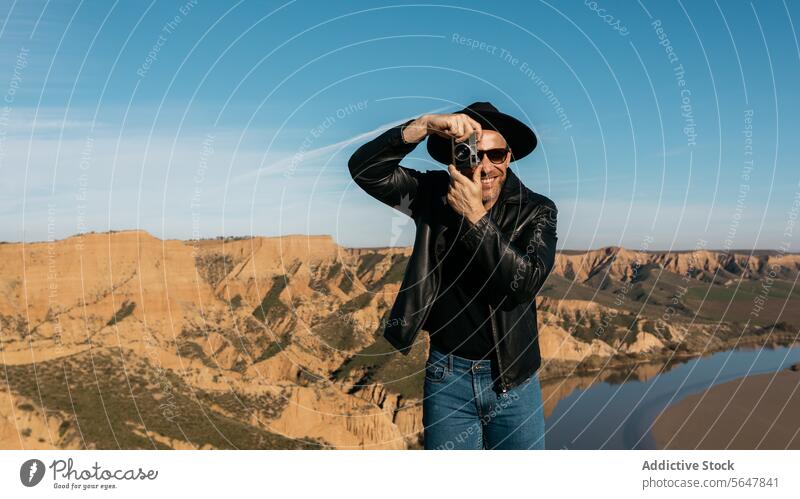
{"x": 461, "y": 152}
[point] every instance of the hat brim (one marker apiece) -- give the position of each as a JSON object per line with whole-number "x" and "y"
{"x": 519, "y": 137}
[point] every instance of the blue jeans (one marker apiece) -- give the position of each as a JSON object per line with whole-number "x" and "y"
{"x": 461, "y": 410}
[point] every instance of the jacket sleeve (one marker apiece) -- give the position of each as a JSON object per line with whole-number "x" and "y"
{"x": 516, "y": 270}
{"x": 375, "y": 167}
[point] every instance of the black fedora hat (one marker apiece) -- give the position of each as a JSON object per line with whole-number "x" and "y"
{"x": 519, "y": 137}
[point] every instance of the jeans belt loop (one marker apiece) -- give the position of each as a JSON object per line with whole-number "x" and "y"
{"x": 450, "y": 362}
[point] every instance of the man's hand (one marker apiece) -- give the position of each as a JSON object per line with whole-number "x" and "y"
{"x": 458, "y": 126}
{"x": 464, "y": 194}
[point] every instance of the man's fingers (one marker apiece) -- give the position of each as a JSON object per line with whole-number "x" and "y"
{"x": 468, "y": 129}
{"x": 453, "y": 129}
{"x": 458, "y": 126}
{"x": 477, "y": 127}
{"x": 476, "y": 174}
{"x": 461, "y": 126}
{"x": 443, "y": 133}
{"x": 464, "y": 128}
{"x": 455, "y": 175}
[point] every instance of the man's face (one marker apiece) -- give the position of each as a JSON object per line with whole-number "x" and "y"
{"x": 492, "y": 175}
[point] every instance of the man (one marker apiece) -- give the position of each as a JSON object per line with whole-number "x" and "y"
{"x": 484, "y": 246}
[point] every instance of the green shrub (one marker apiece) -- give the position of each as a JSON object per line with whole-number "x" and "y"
{"x": 124, "y": 311}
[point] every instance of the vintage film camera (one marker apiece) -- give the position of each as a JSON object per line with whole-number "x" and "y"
{"x": 465, "y": 154}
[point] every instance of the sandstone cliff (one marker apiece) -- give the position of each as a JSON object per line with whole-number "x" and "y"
{"x": 123, "y": 340}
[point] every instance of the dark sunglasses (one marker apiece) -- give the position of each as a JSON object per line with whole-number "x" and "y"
{"x": 496, "y": 156}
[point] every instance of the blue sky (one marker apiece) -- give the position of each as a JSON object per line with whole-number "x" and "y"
{"x": 662, "y": 124}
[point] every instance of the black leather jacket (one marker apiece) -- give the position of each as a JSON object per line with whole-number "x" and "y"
{"x": 517, "y": 254}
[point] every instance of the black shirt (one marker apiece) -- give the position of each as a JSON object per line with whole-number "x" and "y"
{"x": 458, "y": 321}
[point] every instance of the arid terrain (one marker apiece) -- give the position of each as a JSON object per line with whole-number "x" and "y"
{"x": 752, "y": 412}
{"x": 122, "y": 340}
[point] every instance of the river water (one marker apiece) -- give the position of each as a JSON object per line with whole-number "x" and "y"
{"x": 615, "y": 411}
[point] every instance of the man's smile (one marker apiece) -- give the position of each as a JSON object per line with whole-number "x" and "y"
{"x": 489, "y": 181}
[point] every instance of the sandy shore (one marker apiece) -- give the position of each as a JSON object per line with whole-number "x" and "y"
{"x": 731, "y": 416}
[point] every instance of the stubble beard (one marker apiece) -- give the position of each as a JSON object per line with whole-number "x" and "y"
{"x": 489, "y": 199}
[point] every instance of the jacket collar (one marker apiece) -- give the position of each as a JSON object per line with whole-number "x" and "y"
{"x": 513, "y": 191}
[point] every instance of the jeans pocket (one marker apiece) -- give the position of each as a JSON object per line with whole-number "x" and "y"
{"x": 435, "y": 372}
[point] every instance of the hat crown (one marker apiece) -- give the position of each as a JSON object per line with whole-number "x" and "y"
{"x": 481, "y": 107}
{"x": 484, "y": 113}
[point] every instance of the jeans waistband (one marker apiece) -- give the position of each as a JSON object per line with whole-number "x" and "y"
{"x": 456, "y": 363}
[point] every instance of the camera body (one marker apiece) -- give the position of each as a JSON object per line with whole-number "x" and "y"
{"x": 465, "y": 154}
